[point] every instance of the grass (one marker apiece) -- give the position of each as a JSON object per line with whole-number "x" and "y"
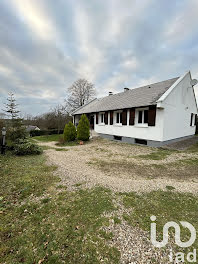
{"x": 181, "y": 170}
{"x": 41, "y": 222}
{"x": 160, "y": 154}
{"x": 48, "y": 138}
{"x": 68, "y": 144}
{"x": 166, "y": 206}
{"x": 193, "y": 148}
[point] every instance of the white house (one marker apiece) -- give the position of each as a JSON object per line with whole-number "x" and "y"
{"x": 153, "y": 115}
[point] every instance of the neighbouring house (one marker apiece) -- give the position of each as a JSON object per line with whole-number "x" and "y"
{"x": 32, "y": 128}
{"x": 153, "y": 115}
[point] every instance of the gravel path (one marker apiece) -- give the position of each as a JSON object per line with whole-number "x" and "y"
{"x": 78, "y": 165}
{"x": 94, "y": 164}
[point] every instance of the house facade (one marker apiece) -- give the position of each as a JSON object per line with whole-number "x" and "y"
{"x": 153, "y": 115}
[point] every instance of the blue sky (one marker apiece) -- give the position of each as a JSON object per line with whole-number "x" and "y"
{"x": 45, "y": 45}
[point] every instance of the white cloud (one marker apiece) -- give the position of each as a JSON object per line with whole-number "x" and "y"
{"x": 184, "y": 23}
{"x": 113, "y": 44}
{"x": 33, "y": 14}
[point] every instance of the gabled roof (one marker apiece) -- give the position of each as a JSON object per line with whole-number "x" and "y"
{"x": 137, "y": 97}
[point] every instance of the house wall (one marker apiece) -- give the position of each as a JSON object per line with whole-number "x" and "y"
{"x": 154, "y": 133}
{"x": 76, "y": 119}
{"x": 173, "y": 116}
{"x": 178, "y": 106}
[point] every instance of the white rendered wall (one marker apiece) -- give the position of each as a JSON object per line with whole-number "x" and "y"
{"x": 178, "y": 106}
{"x": 136, "y": 131}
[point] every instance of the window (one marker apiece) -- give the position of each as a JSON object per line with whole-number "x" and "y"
{"x": 102, "y": 118}
{"x": 118, "y": 118}
{"x": 140, "y": 141}
{"x": 143, "y": 116}
{"x": 117, "y": 137}
{"x": 140, "y": 114}
{"x": 193, "y": 119}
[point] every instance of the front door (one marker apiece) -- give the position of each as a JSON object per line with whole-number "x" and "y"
{"x": 91, "y": 121}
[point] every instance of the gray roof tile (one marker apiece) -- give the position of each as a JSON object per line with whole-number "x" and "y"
{"x": 142, "y": 96}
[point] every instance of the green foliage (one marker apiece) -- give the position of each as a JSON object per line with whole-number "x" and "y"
{"x": 69, "y": 132}
{"x": 49, "y": 138}
{"x": 166, "y": 206}
{"x": 17, "y": 131}
{"x": 83, "y": 129}
{"x": 25, "y": 147}
{"x": 42, "y": 225}
{"x": 36, "y": 133}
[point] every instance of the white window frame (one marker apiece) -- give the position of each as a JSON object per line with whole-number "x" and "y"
{"x": 100, "y": 118}
{"x": 137, "y": 117}
{"x": 115, "y": 118}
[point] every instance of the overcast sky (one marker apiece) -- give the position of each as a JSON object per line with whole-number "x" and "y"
{"x": 45, "y": 45}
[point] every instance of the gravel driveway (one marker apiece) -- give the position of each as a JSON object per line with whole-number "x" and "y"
{"x": 119, "y": 167}
{"x": 125, "y": 168}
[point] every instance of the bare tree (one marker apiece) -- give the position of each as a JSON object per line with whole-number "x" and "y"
{"x": 79, "y": 93}
{"x": 11, "y": 106}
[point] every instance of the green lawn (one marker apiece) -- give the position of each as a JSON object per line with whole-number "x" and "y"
{"x": 166, "y": 206}
{"x": 56, "y": 137}
{"x": 41, "y": 221}
{"x": 48, "y": 138}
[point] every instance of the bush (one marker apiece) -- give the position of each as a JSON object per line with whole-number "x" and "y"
{"x": 35, "y": 133}
{"x": 27, "y": 148}
{"x": 69, "y": 132}
{"x": 83, "y": 129}
{"x": 17, "y": 130}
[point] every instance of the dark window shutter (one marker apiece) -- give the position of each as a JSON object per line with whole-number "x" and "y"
{"x": 124, "y": 117}
{"x": 111, "y": 117}
{"x": 195, "y": 120}
{"x": 106, "y": 118}
{"x": 152, "y": 115}
{"x": 96, "y": 118}
{"x": 191, "y": 120}
{"x": 132, "y": 117}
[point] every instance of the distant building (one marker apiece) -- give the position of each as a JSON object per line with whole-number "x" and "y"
{"x": 32, "y": 128}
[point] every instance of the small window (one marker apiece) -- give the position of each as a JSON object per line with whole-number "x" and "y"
{"x": 193, "y": 120}
{"x": 117, "y": 137}
{"x": 140, "y": 141}
{"x": 118, "y": 118}
{"x": 101, "y": 118}
{"x": 143, "y": 117}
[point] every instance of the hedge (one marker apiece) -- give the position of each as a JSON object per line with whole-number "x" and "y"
{"x": 35, "y": 133}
